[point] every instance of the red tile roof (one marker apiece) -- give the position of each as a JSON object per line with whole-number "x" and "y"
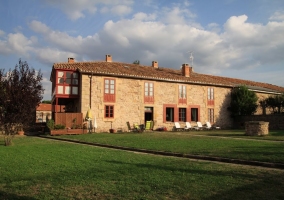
{"x": 48, "y": 107}
{"x": 165, "y": 74}
{"x": 44, "y": 107}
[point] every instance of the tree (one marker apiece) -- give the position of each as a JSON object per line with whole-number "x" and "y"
{"x": 276, "y": 103}
{"x": 46, "y": 101}
{"x": 136, "y": 62}
{"x": 20, "y": 93}
{"x": 243, "y": 101}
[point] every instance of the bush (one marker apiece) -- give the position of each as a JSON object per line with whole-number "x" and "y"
{"x": 59, "y": 126}
{"x": 50, "y": 124}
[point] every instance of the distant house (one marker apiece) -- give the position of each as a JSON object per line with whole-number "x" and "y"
{"x": 119, "y": 92}
{"x": 42, "y": 112}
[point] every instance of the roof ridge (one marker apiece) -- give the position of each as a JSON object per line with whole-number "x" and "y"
{"x": 161, "y": 73}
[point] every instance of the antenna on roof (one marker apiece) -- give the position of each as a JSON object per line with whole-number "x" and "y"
{"x": 191, "y": 57}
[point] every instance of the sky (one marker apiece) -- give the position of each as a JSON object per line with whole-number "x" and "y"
{"x": 232, "y": 38}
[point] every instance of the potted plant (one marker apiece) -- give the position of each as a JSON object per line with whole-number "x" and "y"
{"x": 21, "y": 130}
{"x": 112, "y": 130}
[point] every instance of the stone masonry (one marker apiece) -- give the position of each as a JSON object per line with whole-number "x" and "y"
{"x": 129, "y": 104}
{"x": 253, "y": 128}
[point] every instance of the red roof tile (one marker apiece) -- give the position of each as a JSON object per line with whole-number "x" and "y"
{"x": 166, "y": 74}
{"x": 44, "y": 107}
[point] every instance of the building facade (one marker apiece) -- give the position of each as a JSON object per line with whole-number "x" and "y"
{"x": 120, "y": 92}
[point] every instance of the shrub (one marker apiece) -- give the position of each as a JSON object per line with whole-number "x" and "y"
{"x": 59, "y": 126}
{"x": 50, "y": 124}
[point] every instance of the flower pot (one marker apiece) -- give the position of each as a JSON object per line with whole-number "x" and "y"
{"x": 21, "y": 133}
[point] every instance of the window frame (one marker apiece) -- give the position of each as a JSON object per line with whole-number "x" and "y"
{"x": 67, "y": 84}
{"x": 182, "y": 115}
{"x": 148, "y": 92}
{"x": 109, "y": 89}
{"x": 190, "y": 107}
{"x": 211, "y": 115}
{"x": 174, "y": 113}
{"x": 182, "y": 96}
{"x": 109, "y": 109}
{"x": 210, "y": 96}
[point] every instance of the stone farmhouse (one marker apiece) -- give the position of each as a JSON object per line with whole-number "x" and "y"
{"x": 120, "y": 92}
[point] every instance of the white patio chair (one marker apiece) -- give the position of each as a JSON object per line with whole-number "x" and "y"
{"x": 199, "y": 126}
{"x": 178, "y": 127}
{"x": 189, "y": 127}
{"x": 208, "y": 124}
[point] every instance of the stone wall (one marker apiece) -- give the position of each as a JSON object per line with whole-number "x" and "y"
{"x": 276, "y": 122}
{"x": 129, "y": 104}
{"x": 253, "y": 128}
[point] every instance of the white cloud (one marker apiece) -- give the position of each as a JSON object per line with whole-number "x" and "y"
{"x": 75, "y": 9}
{"x": 53, "y": 55}
{"x": 240, "y": 45}
{"x": 256, "y": 44}
{"x": 177, "y": 15}
{"x": 121, "y": 10}
{"x": 145, "y": 37}
{"x": 277, "y": 16}
{"x": 214, "y": 27}
{"x": 144, "y": 17}
{"x": 17, "y": 43}
{"x": 2, "y": 33}
{"x": 39, "y": 27}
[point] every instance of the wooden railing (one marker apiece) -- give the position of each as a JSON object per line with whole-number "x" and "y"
{"x": 69, "y": 119}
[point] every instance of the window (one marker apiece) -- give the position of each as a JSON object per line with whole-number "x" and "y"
{"x": 68, "y": 78}
{"x": 67, "y": 90}
{"x": 109, "y": 111}
{"x": 210, "y": 96}
{"x": 109, "y": 86}
{"x": 74, "y": 90}
{"x": 109, "y": 90}
{"x": 169, "y": 114}
{"x": 149, "y": 92}
{"x": 182, "y": 114}
{"x": 211, "y": 115}
{"x": 75, "y": 79}
{"x": 182, "y": 94}
{"x": 194, "y": 114}
{"x": 60, "y": 89}
{"x": 67, "y": 82}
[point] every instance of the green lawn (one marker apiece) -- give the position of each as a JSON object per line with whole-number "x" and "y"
{"x": 274, "y": 135}
{"x": 35, "y": 168}
{"x": 228, "y": 144}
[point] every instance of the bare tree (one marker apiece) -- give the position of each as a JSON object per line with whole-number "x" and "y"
{"x": 20, "y": 93}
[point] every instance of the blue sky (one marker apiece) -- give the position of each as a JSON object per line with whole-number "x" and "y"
{"x": 234, "y": 38}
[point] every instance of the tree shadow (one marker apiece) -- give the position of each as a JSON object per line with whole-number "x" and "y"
{"x": 8, "y": 196}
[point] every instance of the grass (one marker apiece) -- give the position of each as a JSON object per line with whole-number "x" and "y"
{"x": 228, "y": 144}
{"x": 35, "y": 168}
{"x": 274, "y": 135}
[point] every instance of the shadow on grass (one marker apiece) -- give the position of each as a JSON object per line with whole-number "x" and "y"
{"x": 8, "y": 196}
{"x": 253, "y": 191}
{"x": 189, "y": 171}
{"x": 255, "y": 187}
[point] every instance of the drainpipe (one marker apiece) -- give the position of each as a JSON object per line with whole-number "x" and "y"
{"x": 90, "y": 97}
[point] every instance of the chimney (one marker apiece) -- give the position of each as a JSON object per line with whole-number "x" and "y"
{"x": 155, "y": 64}
{"x": 71, "y": 60}
{"x": 186, "y": 70}
{"x": 108, "y": 58}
